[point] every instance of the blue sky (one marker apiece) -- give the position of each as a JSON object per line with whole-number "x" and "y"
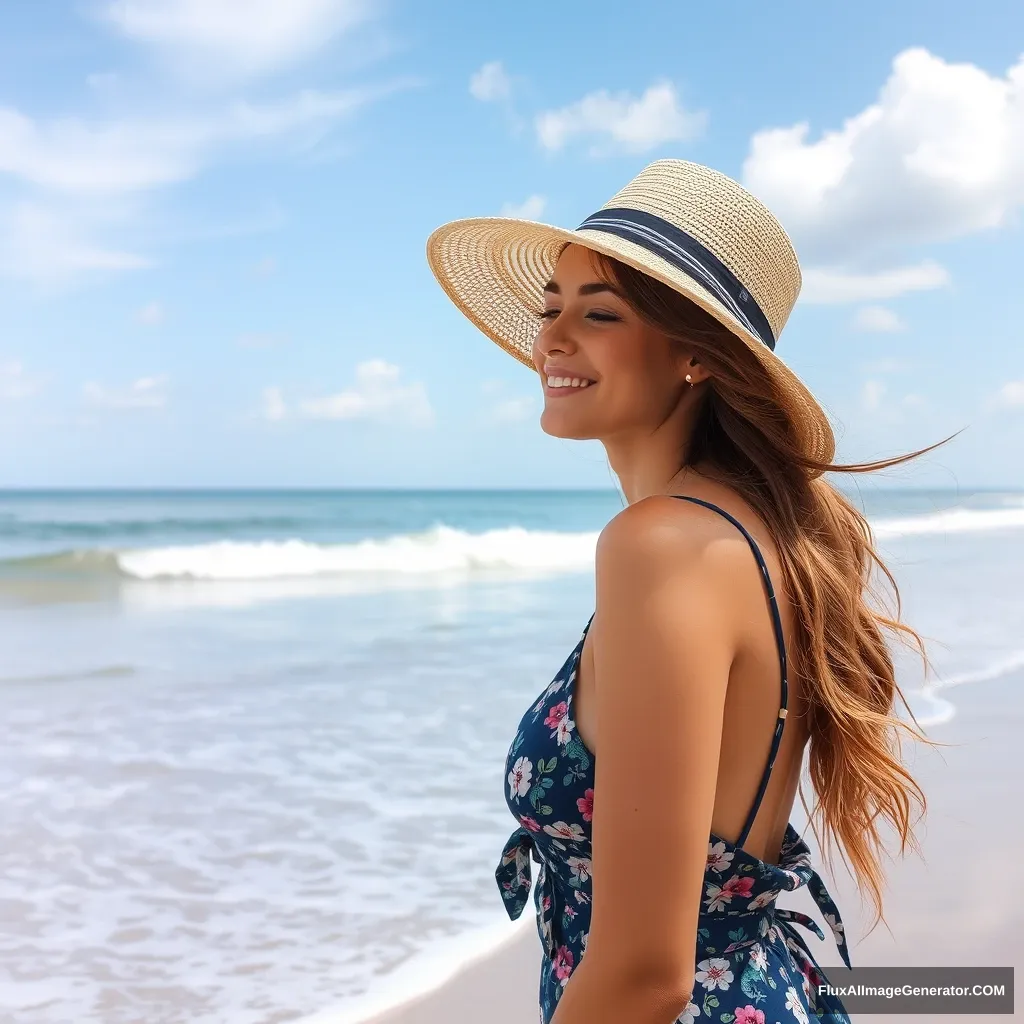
{"x": 213, "y": 217}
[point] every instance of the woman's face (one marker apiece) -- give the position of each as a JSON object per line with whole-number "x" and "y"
{"x": 590, "y": 333}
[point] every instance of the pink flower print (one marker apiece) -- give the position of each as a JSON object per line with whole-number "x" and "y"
{"x": 545, "y": 903}
{"x": 519, "y": 778}
{"x": 714, "y": 973}
{"x": 718, "y": 858}
{"x": 581, "y": 896}
{"x": 563, "y": 963}
{"x": 569, "y": 911}
{"x": 564, "y": 830}
{"x": 559, "y": 721}
{"x": 719, "y": 896}
{"x": 556, "y": 714}
{"x": 586, "y": 805}
{"x": 749, "y": 1015}
{"x": 527, "y": 822}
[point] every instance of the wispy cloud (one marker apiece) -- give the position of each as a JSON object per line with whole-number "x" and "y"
{"x": 826, "y": 285}
{"x": 878, "y": 320}
{"x": 39, "y": 243}
{"x": 491, "y": 82}
{"x": 622, "y": 122}
{"x": 378, "y": 395}
{"x": 530, "y": 209}
{"x": 144, "y": 393}
{"x": 110, "y": 157}
{"x": 230, "y": 38}
{"x": 259, "y": 340}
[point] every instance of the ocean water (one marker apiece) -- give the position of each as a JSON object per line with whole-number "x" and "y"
{"x": 252, "y": 743}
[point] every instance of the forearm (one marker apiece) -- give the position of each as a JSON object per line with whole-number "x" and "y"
{"x": 599, "y": 996}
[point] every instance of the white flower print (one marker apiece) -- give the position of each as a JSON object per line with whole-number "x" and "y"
{"x": 762, "y": 899}
{"x": 689, "y": 1014}
{"x": 718, "y": 858}
{"x": 714, "y": 973}
{"x": 758, "y": 957}
{"x": 580, "y": 867}
{"x": 553, "y": 687}
{"x": 794, "y": 1005}
{"x": 837, "y": 927}
{"x": 563, "y": 732}
{"x": 563, "y": 830}
{"x": 519, "y": 778}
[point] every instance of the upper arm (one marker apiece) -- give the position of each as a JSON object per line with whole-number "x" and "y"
{"x": 662, "y": 656}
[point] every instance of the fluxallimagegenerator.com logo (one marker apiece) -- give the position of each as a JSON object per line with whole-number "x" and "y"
{"x": 921, "y": 989}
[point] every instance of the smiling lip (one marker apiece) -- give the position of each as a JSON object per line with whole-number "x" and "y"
{"x": 564, "y": 392}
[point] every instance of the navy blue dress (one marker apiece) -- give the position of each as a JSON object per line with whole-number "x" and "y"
{"x": 753, "y": 966}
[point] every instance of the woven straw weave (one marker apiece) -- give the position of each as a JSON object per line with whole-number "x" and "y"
{"x": 494, "y": 269}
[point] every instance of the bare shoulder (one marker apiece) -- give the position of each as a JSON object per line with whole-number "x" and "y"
{"x": 660, "y": 536}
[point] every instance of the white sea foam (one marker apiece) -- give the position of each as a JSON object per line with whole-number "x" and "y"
{"x": 440, "y": 549}
{"x": 955, "y": 520}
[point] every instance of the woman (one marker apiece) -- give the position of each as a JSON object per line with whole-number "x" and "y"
{"x": 731, "y": 630}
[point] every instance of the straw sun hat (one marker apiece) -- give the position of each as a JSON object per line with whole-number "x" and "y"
{"x": 688, "y": 226}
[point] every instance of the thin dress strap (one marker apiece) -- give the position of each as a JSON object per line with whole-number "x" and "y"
{"x": 780, "y": 643}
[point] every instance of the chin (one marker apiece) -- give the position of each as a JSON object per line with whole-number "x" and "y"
{"x": 565, "y": 427}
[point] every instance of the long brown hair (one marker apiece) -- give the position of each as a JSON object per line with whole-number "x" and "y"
{"x": 742, "y": 438}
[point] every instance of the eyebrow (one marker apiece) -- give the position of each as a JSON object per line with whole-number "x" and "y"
{"x": 586, "y": 289}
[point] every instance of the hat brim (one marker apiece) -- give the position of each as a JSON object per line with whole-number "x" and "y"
{"x": 494, "y": 269}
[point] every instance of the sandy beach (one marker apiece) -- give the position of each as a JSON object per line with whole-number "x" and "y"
{"x": 945, "y": 907}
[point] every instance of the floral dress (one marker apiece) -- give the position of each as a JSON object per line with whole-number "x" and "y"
{"x": 752, "y": 965}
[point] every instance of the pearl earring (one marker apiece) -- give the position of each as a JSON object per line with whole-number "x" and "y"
{"x": 689, "y": 380}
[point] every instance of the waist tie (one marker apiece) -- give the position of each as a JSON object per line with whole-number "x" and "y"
{"x": 514, "y": 878}
{"x": 820, "y": 895}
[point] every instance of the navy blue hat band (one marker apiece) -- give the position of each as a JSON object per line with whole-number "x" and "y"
{"x": 685, "y": 253}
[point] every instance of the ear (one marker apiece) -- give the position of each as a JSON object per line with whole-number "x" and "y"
{"x": 691, "y": 371}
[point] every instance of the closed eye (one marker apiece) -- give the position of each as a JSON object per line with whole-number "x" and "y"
{"x": 550, "y": 314}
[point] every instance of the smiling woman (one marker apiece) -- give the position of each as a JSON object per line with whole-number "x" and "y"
{"x": 653, "y": 779}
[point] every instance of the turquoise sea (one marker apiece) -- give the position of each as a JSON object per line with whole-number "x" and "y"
{"x": 252, "y": 743}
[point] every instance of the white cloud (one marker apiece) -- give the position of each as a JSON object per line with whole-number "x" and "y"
{"x": 144, "y": 393}
{"x": 940, "y": 153}
{"x": 530, "y": 209}
{"x": 274, "y": 408}
{"x": 1010, "y": 395}
{"x": 878, "y": 320}
{"x": 490, "y": 83}
{"x": 151, "y": 314}
{"x": 825, "y": 285}
{"x": 217, "y": 38}
{"x": 111, "y": 157}
{"x": 377, "y": 395}
{"x": 872, "y": 394}
{"x": 622, "y": 122}
{"x": 15, "y": 383}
